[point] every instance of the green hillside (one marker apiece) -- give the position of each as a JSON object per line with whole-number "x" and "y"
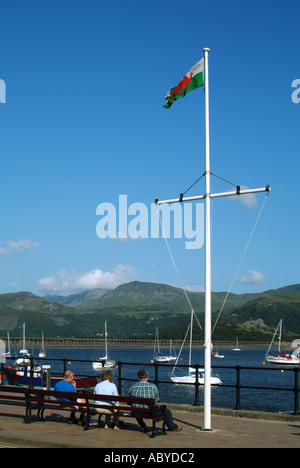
{"x": 270, "y": 310}
{"x": 26, "y": 301}
{"x": 139, "y": 293}
{"x": 38, "y": 313}
{"x": 133, "y": 310}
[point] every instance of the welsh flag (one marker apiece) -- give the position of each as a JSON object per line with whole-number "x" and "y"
{"x": 192, "y": 80}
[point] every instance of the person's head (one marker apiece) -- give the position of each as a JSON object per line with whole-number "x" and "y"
{"x": 143, "y": 374}
{"x": 69, "y": 375}
{"x": 107, "y": 375}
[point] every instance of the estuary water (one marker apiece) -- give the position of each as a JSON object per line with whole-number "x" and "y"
{"x": 222, "y": 397}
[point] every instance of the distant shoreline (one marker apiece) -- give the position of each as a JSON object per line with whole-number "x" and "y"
{"x": 164, "y": 344}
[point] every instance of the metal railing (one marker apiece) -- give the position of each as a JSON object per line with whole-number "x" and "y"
{"x": 238, "y": 386}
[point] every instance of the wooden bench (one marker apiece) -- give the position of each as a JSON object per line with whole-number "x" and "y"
{"x": 40, "y": 400}
{"x": 12, "y": 396}
{"x": 35, "y": 399}
{"x": 126, "y": 409}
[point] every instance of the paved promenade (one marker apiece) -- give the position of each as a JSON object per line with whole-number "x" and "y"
{"x": 229, "y": 432}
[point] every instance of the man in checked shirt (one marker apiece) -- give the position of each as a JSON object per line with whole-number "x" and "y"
{"x": 144, "y": 389}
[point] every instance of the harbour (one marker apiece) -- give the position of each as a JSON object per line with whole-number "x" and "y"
{"x": 256, "y": 407}
{"x": 247, "y": 383}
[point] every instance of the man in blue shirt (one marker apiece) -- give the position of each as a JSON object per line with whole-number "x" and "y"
{"x": 144, "y": 389}
{"x": 68, "y": 384}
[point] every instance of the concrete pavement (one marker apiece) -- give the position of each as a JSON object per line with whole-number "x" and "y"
{"x": 230, "y": 431}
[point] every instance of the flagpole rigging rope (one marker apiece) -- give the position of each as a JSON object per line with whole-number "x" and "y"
{"x": 224, "y": 180}
{"x": 239, "y": 265}
{"x": 194, "y": 184}
{"x": 218, "y": 177}
{"x": 236, "y": 272}
{"x": 174, "y": 264}
{"x": 179, "y": 354}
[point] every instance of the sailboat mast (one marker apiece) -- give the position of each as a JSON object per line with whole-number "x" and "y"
{"x": 158, "y": 345}
{"x": 207, "y": 339}
{"x": 106, "y": 349}
{"x": 24, "y": 335}
{"x": 279, "y": 338}
{"x": 8, "y": 343}
{"x": 191, "y": 340}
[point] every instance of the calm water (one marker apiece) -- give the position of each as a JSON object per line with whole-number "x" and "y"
{"x": 258, "y": 400}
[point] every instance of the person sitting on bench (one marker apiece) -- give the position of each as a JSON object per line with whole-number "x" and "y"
{"x": 68, "y": 384}
{"x": 144, "y": 389}
{"x": 107, "y": 387}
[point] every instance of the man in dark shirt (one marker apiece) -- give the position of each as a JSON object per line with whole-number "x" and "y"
{"x": 144, "y": 389}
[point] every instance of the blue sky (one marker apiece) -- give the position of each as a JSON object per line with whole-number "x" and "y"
{"x": 84, "y": 123}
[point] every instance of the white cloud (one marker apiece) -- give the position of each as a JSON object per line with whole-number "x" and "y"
{"x": 64, "y": 282}
{"x": 253, "y": 277}
{"x": 249, "y": 200}
{"x": 121, "y": 237}
{"x": 195, "y": 288}
{"x": 19, "y": 246}
{"x": 23, "y": 244}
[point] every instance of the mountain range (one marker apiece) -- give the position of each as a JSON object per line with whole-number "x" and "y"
{"x": 133, "y": 310}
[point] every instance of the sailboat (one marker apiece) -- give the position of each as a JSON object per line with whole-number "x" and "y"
{"x": 22, "y": 374}
{"x": 281, "y": 358}
{"x": 23, "y": 351}
{"x": 9, "y": 346}
{"x": 190, "y": 377}
{"x": 172, "y": 356}
{"x": 42, "y": 353}
{"x": 237, "y": 348}
{"x": 104, "y": 362}
{"x": 157, "y": 355}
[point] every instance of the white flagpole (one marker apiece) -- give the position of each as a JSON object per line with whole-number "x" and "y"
{"x": 207, "y": 197}
{"x": 207, "y": 338}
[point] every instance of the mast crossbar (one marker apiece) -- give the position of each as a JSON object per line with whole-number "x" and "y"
{"x": 237, "y": 192}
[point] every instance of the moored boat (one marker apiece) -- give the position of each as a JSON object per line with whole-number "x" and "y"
{"x": 236, "y": 349}
{"x": 217, "y": 355}
{"x": 104, "y": 362}
{"x": 191, "y": 376}
{"x": 23, "y": 377}
{"x": 159, "y": 357}
{"x": 282, "y": 358}
{"x": 42, "y": 353}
